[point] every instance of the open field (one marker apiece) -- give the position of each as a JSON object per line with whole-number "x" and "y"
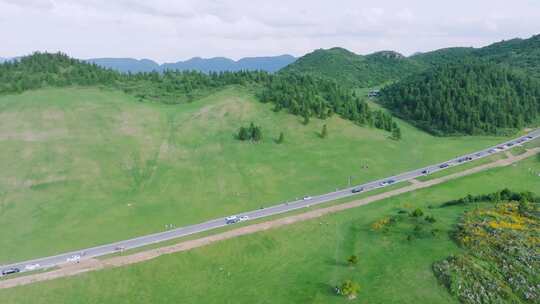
{"x": 82, "y": 167}
{"x": 299, "y": 263}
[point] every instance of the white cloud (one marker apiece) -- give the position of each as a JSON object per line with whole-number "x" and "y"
{"x": 172, "y": 30}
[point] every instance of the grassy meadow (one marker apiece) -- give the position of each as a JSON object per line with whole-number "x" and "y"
{"x": 86, "y": 166}
{"x": 299, "y": 263}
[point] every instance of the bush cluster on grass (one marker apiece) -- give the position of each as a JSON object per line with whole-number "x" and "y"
{"x": 501, "y": 263}
{"x": 413, "y": 223}
{"x": 252, "y": 133}
{"x": 495, "y": 197}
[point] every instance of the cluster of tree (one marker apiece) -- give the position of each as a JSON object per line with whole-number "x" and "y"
{"x": 309, "y": 96}
{"x": 252, "y": 133}
{"x": 469, "y": 97}
{"x": 58, "y": 70}
{"x": 495, "y": 197}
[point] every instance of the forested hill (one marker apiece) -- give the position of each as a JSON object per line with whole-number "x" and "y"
{"x": 350, "y": 69}
{"x": 302, "y": 95}
{"x": 383, "y": 67}
{"x": 470, "y": 97}
{"x": 58, "y": 70}
{"x": 516, "y": 53}
{"x": 443, "y": 56}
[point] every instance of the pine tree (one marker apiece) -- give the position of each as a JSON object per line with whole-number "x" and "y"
{"x": 396, "y": 133}
{"x": 243, "y": 134}
{"x": 257, "y": 134}
{"x": 324, "y": 132}
{"x": 306, "y": 119}
{"x": 281, "y": 138}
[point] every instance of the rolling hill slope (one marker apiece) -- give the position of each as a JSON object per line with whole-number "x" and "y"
{"x": 85, "y": 166}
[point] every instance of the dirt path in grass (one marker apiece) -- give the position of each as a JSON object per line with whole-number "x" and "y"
{"x": 94, "y": 264}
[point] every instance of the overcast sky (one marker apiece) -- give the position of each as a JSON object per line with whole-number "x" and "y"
{"x": 176, "y": 30}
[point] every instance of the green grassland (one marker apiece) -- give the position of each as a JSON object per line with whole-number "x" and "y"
{"x": 302, "y": 262}
{"x": 86, "y": 166}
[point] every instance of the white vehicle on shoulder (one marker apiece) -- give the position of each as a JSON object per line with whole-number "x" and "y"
{"x": 243, "y": 218}
{"x": 32, "y": 267}
{"x": 74, "y": 259}
{"x": 307, "y": 198}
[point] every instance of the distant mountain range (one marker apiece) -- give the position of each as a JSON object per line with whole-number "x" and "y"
{"x": 217, "y": 64}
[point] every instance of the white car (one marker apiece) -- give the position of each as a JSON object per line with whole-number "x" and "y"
{"x": 306, "y": 198}
{"x": 243, "y": 218}
{"x": 74, "y": 259}
{"x": 32, "y": 266}
{"x": 233, "y": 219}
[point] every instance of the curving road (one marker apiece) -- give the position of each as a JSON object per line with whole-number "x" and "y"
{"x": 71, "y": 257}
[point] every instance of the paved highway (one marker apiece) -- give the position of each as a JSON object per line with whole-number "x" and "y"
{"x": 74, "y": 256}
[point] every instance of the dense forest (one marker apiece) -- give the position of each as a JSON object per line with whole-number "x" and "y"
{"x": 468, "y": 97}
{"x": 303, "y": 95}
{"x": 310, "y": 96}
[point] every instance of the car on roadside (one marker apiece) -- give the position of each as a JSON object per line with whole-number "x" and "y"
{"x": 11, "y": 270}
{"x": 509, "y": 144}
{"x": 74, "y": 259}
{"x": 529, "y": 137}
{"x": 233, "y": 219}
{"x": 307, "y": 198}
{"x": 382, "y": 184}
{"x": 442, "y": 166}
{"x": 425, "y": 172}
{"x": 390, "y": 181}
{"x": 464, "y": 159}
{"x": 357, "y": 190}
{"x": 492, "y": 151}
{"x": 31, "y": 267}
{"x": 243, "y": 218}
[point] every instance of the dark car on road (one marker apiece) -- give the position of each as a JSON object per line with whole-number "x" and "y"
{"x": 357, "y": 190}
{"x": 10, "y": 271}
{"x": 425, "y": 172}
{"x": 443, "y": 166}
